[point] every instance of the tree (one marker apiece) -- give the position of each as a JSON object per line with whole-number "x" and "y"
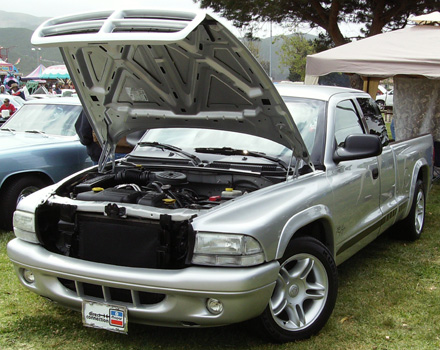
{"x": 253, "y": 45}
{"x": 375, "y": 15}
{"x": 294, "y": 51}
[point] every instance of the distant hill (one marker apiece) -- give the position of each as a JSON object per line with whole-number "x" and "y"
{"x": 20, "y": 20}
{"x": 15, "y": 33}
{"x": 18, "y": 40}
{"x": 278, "y": 73}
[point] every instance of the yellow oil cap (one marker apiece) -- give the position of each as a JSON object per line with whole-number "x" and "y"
{"x": 229, "y": 189}
{"x": 169, "y": 200}
{"x": 97, "y": 189}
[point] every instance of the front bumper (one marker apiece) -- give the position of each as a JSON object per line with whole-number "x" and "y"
{"x": 244, "y": 292}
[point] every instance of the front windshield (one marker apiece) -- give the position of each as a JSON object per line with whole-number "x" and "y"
{"x": 17, "y": 101}
{"x": 305, "y": 112}
{"x": 54, "y": 119}
{"x": 189, "y": 139}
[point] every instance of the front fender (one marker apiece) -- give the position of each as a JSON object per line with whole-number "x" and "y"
{"x": 302, "y": 219}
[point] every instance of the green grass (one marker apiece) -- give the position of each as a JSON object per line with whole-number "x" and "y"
{"x": 388, "y": 125}
{"x": 389, "y": 298}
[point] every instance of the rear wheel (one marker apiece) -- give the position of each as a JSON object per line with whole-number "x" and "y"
{"x": 15, "y": 191}
{"x": 411, "y": 227}
{"x": 305, "y": 292}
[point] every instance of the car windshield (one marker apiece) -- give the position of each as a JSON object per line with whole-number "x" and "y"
{"x": 305, "y": 112}
{"x": 17, "y": 101}
{"x": 53, "y": 119}
{"x": 189, "y": 139}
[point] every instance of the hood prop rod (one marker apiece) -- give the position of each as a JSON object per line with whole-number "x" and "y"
{"x": 107, "y": 155}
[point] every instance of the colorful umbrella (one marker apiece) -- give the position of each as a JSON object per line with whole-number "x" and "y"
{"x": 55, "y": 72}
{"x": 35, "y": 74}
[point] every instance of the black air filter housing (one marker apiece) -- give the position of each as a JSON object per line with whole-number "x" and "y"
{"x": 119, "y": 195}
{"x": 171, "y": 177}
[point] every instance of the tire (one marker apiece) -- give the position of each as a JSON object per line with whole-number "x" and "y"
{"x": 15, "y": 191}
{"x": 305, "y": 292}
{"x": 411, "y": 227}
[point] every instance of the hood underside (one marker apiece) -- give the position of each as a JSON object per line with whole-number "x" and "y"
{"x": 143, "y": 69}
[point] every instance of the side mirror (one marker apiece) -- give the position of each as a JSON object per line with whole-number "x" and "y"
{"x": 358, "y": 147}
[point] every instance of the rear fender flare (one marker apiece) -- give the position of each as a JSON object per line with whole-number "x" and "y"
{"x": 418, "y": 169}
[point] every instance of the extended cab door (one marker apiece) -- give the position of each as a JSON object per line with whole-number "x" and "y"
{"x": 387, "y": 167}
{"x": 355, "y": 185}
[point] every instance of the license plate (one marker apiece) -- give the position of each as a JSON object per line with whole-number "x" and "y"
{"x": 105, "y": 316}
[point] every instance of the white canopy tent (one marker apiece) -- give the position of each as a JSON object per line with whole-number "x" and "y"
{"x": 409, "y": 51}
{"x": 408, "y": 55}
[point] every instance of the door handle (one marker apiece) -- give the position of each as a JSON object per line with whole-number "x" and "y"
{"x": 375, "y": 173}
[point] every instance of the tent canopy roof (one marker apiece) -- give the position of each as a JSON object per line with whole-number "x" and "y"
{"x": 4, "y": 63}
{"x": 36, "y": 73}
{"x": 409, "y": 51}
{"x": 429, "y": 18}
{"x": 55, "y": 72}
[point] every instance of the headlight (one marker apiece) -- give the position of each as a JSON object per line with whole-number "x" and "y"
{"x": 219, "y": 249}
{"x": 24, "y": 226}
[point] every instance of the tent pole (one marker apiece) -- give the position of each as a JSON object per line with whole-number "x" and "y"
{"x": 371, "y": 85}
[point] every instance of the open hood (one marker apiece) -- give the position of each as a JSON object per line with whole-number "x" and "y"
{"x": 143, "y": 69}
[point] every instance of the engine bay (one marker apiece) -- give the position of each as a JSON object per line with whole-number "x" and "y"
{"x": 167, "y": 186}
{"x": 112, "y": 237}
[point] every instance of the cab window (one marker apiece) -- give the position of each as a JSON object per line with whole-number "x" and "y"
{"x": 374, "y": 120}
{"x": 347, "y": 121}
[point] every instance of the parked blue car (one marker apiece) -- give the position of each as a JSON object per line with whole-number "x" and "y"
{"x": 38, "y": 147}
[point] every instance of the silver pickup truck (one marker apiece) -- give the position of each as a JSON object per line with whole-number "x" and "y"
{"x": 238, "y": 202}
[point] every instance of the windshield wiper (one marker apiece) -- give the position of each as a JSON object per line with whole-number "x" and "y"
{"x": 240, "y": 152}
{"x": 12, "y": 131}
{"x": 37, "y": 132}
{"x": 195, "y": 160}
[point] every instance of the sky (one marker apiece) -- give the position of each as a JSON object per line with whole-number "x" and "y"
{"x": 55, "y": 8}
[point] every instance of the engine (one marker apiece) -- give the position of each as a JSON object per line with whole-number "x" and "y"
{"x": 166, "y": 188}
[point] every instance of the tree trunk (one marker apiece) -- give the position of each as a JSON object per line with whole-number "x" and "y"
{"x": 356, "y": 81}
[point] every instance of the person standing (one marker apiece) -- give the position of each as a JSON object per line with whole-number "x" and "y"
{"x": 15, "y": 91}
{"x": 7, "y": 106}
{"x": 85, "y": 133}
{"x": 88, "y": 138}
{"x": 58, "y": 89}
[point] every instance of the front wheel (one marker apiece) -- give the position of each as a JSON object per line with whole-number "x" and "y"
{"x": 15, "y": 191}
{"x": 305, "y": 292}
